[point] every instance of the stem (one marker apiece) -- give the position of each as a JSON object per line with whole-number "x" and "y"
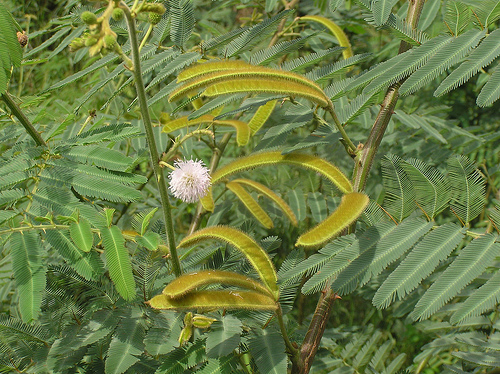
{"x": 292, "y": 350}
{"x": 351, "y": 148}
{"x": 14, "y": 108}
{"x": 153, "y": 151}
{"x": 145, "y": 39}
{"x": 364, "y": 161}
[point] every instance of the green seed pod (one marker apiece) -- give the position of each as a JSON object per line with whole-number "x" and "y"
{"x": 89, "y": 18}
{"x": 117, "y": 14}
{"x": 185, "y": 334}
{"x": 154, "y": 18}
{"x": 90, "y": 41}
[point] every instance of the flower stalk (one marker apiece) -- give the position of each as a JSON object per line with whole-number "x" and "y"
{"x": 153, "y": 151}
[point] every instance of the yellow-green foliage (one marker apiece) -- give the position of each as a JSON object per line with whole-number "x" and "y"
{"x": 209, "y": 300}
{"x": 350, "y": 208}
{"x": 335, "y": 30}
{"x": 317, "y": 164}
{"x": 261, "y": 115}
{"x": 242, "y": 129}
{"x": 190, "y": 282}
{"x": 250, "y": 203}
{"x": 244, "y": 243}
{"x": 271, "y": 195}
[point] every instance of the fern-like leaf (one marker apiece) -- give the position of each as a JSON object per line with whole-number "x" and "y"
{"x": 376, "y": 255}
{"x": 491, "y": 90}
{"x": 447, "y": 56}
{"x": 29, "y": 272}
{"x": 470, "y": 263}
{"x": 181, "y": 21}
{"x": 381, "y": 10}
{"x": 422, "y": 260}
{"x": 483, "y": 55}
{"x": 467, "y": 198}
{"x": 10, "y": 49}
{"x": 268, "y": 351}
{"x": 400, "y": 193}
{"x": 118, "y": 261}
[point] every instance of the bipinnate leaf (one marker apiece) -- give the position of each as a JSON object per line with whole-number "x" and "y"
{"x": 118, "y": 261}
{"x": 190, "y": 282}
{"x": 268, "y": 350}
{"x": 224, "y": 336}
{"x": 422, "y": 260}
{"x": 203, "y": 300}
{"x": 246, "y": 245}
{"x": 253, "y": 206}
{"x": 81, "y": 234}
{"x": 470, "y": 263}
{"x": 10, "y": 49}
{"x": 29, "y": 272}
{"x": 350, "y": 208}
{"x": 271, "y": 195}
{"x": 140, "y": 222}
{"x": 314, "y": 163}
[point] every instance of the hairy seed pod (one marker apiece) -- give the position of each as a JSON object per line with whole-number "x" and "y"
{"x": 89, "y": 18}
{"x": 154, "y": 8}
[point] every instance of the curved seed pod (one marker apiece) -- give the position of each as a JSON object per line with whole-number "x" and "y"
{"x": 250, "y": 203}
{"x": 244, "y": 243}
{"x": 210, "y": 67}
{"x": 208, "y": 201}
{"x": 209, "y": 300}
{"x": 190, "y": 282}
{"x": 271, "y": 195}
{"x": 317, "y": 164}
{"x": 248, "y": 72}
{"x": 350, "y": 208}
{"x": 272, "y": 86}
{"x": 242, "y": 129}
{"x": 261, "y": 115}
{"x": 336, "y": 31}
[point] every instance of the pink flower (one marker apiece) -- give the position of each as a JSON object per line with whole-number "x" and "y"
{"x": 190, "y": 180}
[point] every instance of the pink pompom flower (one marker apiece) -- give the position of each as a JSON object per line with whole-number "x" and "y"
{"x": 190, "y": 180}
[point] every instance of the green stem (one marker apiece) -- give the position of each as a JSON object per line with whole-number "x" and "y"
{"x": 14, "y": 108}
{"x": 153, "y": 151}
{"x": 351, "y": 148}
{"x": 292, "y": 350}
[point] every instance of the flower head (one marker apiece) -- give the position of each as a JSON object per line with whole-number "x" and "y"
{"x": 190, "y": 180}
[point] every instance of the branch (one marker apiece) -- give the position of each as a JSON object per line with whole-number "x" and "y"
{"x": 364, "y": 161}
{"x": 14, "y": 108}
{"x": 153, "y": 151}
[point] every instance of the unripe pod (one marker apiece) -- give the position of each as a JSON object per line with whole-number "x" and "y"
{"x": 203, "y": 322}
{"x": 186, "y": 334}
{"x": 117, "y": 14}
{"x": 89, "y": 18}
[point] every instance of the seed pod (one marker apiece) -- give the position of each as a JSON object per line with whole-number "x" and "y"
{"x": 154, "y": 8}
{"x": 202, "y": 322}
{"x": 89, "y": 18}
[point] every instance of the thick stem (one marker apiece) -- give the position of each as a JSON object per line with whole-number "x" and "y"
{"x": 14, "y": 108}
{"x": 153, "y": 151}
{"x": 364, "y": 161}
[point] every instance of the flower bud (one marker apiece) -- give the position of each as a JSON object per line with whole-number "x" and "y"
{"x": 90, "y": 41}
{"x": 117, "y": 14}
{"x": 154, "y": 8}
{"x": 109, "y": 41}
{"x": 89, "y": 18}
{"x": 154, "y": 18}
